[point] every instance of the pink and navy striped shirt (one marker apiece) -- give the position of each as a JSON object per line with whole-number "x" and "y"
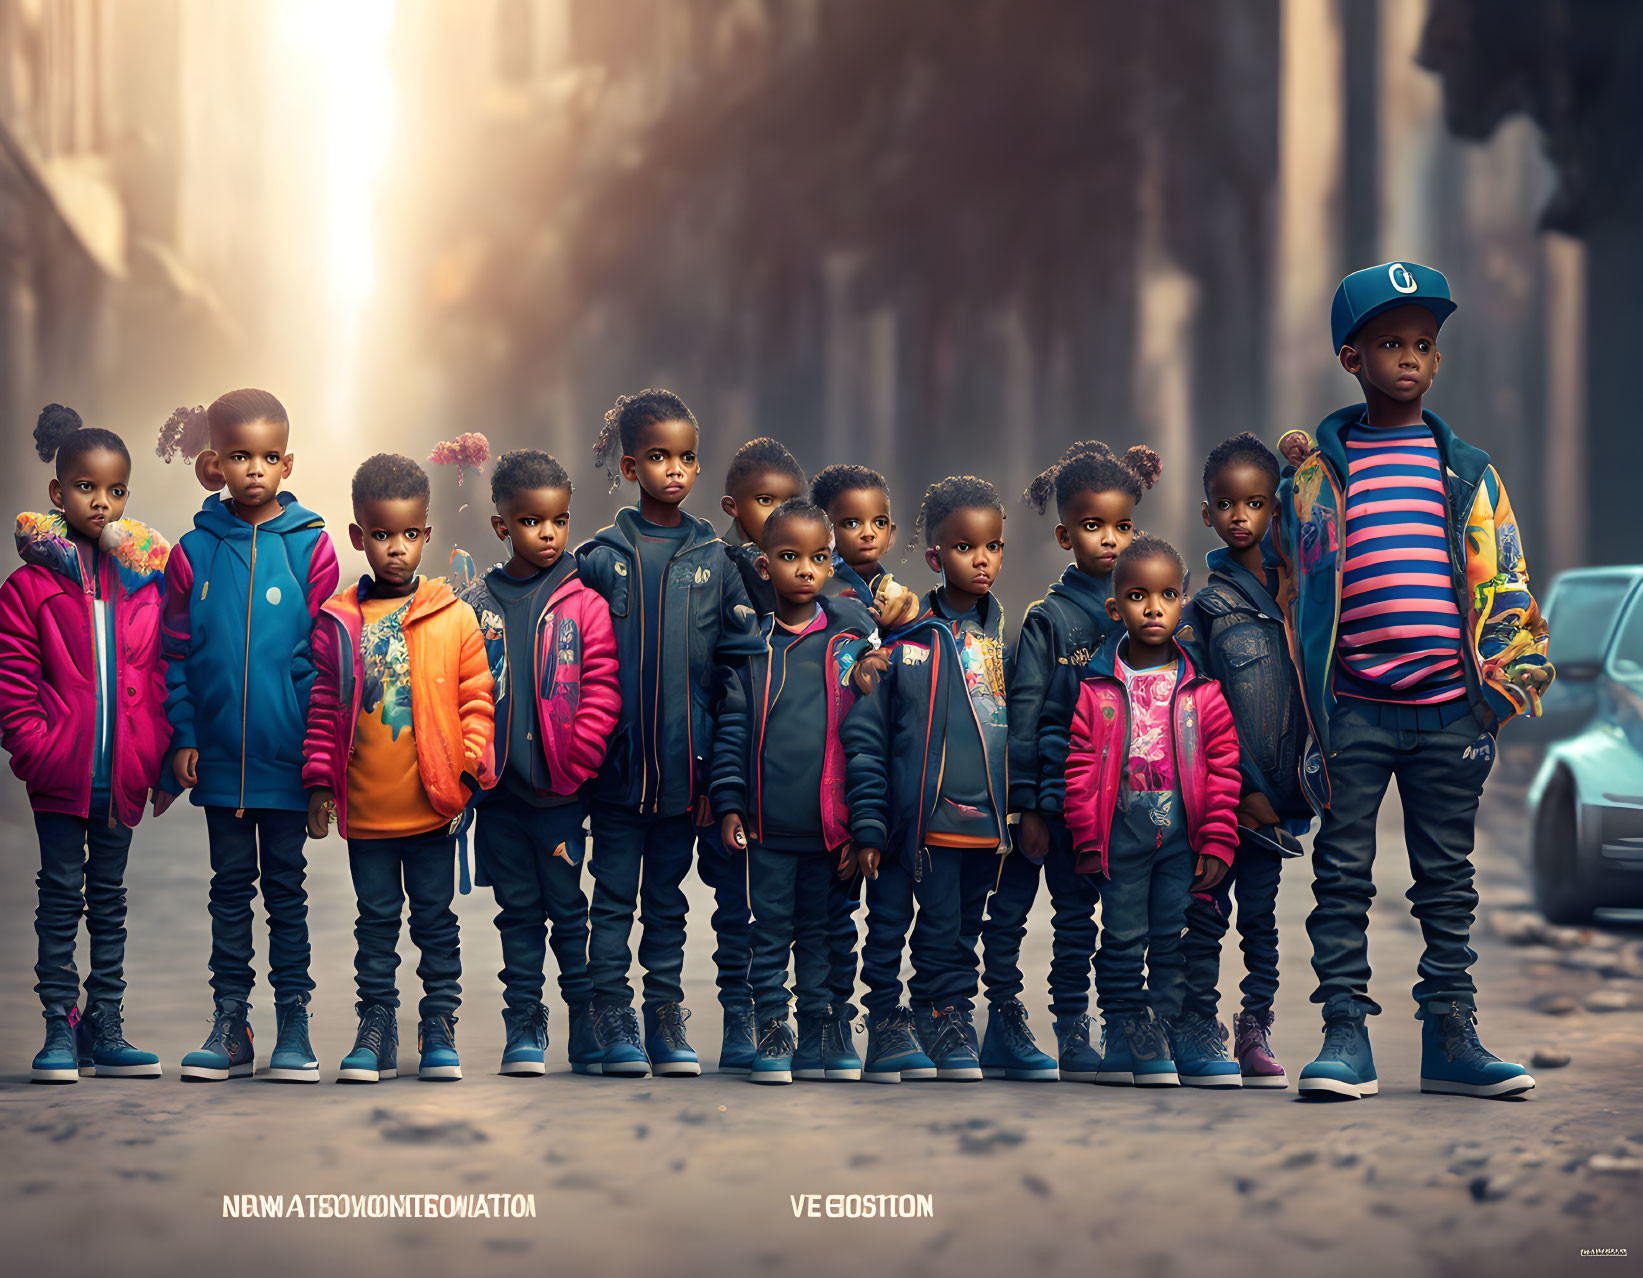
{"x": 1400, "y": 629}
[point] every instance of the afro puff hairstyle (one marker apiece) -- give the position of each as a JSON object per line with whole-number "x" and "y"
{"x": 59, "y": 437}
{"x": 1090, "y": 466}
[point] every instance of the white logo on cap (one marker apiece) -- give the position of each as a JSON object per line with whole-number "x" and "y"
{"x": 1401, "y": 279}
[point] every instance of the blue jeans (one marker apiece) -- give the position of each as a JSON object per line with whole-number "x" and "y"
{"x": 1072, "y": 940}
{"x": 1440, "y": 773}
{"x": 842, "y": 940}
{"x": 933, "y": 883}
{"x": 539, "y": 895}
{"x": 1253, "y": 878}
{"x": 726, "y": 873}
{"x": 793, "y": 895}
{"x": 419, "y": 868}
{"x": 266, "y": 842}
{"x": 1143, "y": 909}
{"x": 638, "y": 863}
{"x": 82, "y": 871}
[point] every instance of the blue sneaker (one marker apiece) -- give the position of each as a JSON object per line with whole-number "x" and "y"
{"x": 1151, "y": 1064}
{"x": 1010, "y": 1051}
{"x": 670, "y": 1053}
{"x": 111, "y": 1055}
{"x": 228, "y": 1051}
{"x": 293, "y": 1059}
{"x": 894, "y": 1053}
{"x": 436, "y": 1045}
{"x": 807, "y": 1055}
{"x": 621, "y": 1054}
{"x": 82, "y": 1042}
{"x": 774, "y": 1063}
{"x": 1080, "y": 1062}
{"x": 525, "y": 1051}
{"x": 941, "y": 1031}
{"x": 839, "y": 1060}
{"x": 737, "y": 1050}
{"x": 375, "y": 1054}
{"x": 1454, "y": 1063}
{"x": 1117, "y": 1068}
{"x": 1200, "y": 1048}
{"x": 59, "y": 1060}
{"x": 1344, "y": 1068}
{"x": 585, "y": 1053}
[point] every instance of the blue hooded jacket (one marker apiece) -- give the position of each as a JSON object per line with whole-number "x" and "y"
{"x": 241, "y": 602}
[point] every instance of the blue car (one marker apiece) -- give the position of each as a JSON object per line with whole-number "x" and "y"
{"x": 1586, "y": 803}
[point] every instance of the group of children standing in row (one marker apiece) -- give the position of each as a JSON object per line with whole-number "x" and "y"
{"x": 777, "y": 708}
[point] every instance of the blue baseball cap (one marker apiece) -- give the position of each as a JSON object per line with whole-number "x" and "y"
{"x": 1364, "y": 294}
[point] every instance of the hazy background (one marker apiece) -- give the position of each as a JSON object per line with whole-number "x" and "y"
{"x": 926, "y": 235}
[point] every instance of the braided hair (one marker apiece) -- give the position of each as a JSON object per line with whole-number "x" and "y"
{"x": 627, "y": 420}
{"x": 524, "y": 470}
{"x": 759, "y": 457}
{"x": 942, "y": 498}
{"x": 59, "y": 437}
{"x": 1090, "y": 466}
{"x": 1243, "y": 449}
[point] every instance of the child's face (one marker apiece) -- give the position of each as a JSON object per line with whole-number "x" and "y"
{"x": 664, "y": 463}
{"x": 1396, "y": 353}
{"x": 253, "y": 461}
{"x": 798, "y": 559}
{"x": 969, "y": 550}
{"x": 392, "y": 531}
{"x": 537, "y": 521}
{"x": 1240, "y": 505}
{"x": 1147, "y": 598}
{"x": 862, "y": 528}
{"x": 756, "y": 497}
{"x": 92, "y": 492}
{"x": 1096, "y": 527}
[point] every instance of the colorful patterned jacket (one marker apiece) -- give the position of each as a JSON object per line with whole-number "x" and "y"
{"x": 1505, "y": 635}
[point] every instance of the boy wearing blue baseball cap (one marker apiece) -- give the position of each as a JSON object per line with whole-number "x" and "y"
{"x": 1415, "y": 636}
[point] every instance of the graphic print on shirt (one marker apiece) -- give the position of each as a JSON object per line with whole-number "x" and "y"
{"x": 1151, "y": 762}
{"x": 981, "y": 657}
{"x": 387, "y": 668}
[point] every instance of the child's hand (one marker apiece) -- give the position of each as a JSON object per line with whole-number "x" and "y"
{"x": 1254, "y": 809}
{"x": 322, "y": 806}
{"x": 867, "y": 860}
{"x": 894, "y": 605}
{"x": 1032, "y": 837}
{"x": 1211, "y": 870}
{"x": 731, "y": 833}
{"x": 162, "y": 800}
{"x": 847, "y": 867}
{"x": 184, "y": 765}
{"x": 869, "y": 670}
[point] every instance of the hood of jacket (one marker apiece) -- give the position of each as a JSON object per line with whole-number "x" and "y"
{"x": 216, "y": 516}
{"x": 1467, "y": 460}
{"x": 137, "y": 551}
{"x": 1090, "y": 593}
{"x": 1224, "y": 565}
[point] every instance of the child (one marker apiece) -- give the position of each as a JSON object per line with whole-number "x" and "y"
{"x": 681, "y": 618}
{"x": 399, "y": 739}
{"x": 1151, "y": 793}
{"x": 768, "y": 746}
{"x": 857, "y": 501}
{"x": 1095, "y": 495}
{"x": 1415, "y": 638}
{"x": 550, "y": 642}
{"x": 1239, "y": 631}
{"x": 925, "y": 777}
{"x": 243, "y": 591}
{"x": 79, "y": 621}
{"x": 762, "y": 476}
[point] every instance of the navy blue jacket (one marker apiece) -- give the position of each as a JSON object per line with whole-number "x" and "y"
{"x": 707, "y": 628}
{"x": 896, "y": 740}
{"x": 760, "y": 593}
{"x": 1059, "y": 635}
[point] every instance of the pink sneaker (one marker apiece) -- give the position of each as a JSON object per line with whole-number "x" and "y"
{"x": 1257, "y": 1066}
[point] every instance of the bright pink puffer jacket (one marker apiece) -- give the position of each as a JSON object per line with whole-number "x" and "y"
{"x": 48, "y": 681}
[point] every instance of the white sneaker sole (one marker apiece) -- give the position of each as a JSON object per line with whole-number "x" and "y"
{"x": 1115, "y": 1078}
{"x": 303, "y": 1075}
{"x": 587, "y": 1067}
{"x": 87, "y": 1071}
{"x": 1325, "y": 1087}
{"x": 130, "y": 1071}
{"x": 365, "y": 1075}
{"x": 1079, "y": 1075}
{"x": 440, "y": 1073}
{"x": 626, "y": 1069}
{"x": 734, "y": 1069}
{"x": 899, "y": 1076}
{"x": 209, "y": 1074}
{"x": 1157, "y": 1080}
{"x": 770, "y": 1076}
{"x": 1022, "y": 1075}
{"x": 964, "y": 1074}
{"x": 1266, "y": 1080}
{"x": 1214, "y": 1082}
{"x": 55, "y": 1075}
{"x": 523, "y": 1068}
{"x": 678, "y": 1069}
{"x": 1514, "y": 1086}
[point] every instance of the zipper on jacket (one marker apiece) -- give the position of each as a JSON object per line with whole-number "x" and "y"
{"x": 690, "y": 709}
{"x": 245, "y": 678}
{"x": 90, "y": 596}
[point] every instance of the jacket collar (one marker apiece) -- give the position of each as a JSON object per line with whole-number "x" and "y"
{"x": 1252, "y": 588}
{"x": 836, "y": 615}
{"x": 1105, "y": 662}
{"x": 217, "y": 517}
{"x": 432, "y": 594}
{"x": 986, "y": 608}
{"x": 1089, "y": 593}
{"x": 137, "y": 551}
{"x": 623, "y": 534}
{"x": 1465, "y": 460}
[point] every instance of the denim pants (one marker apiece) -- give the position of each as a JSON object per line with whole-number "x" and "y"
{"x": 1253, "y": 879}
{"x": 82, "y": 871}
{"x": 1073, "y": 897}
{"x": 842, "y": 940}
{"x": 538, "y": 894}
{"x": 266, "y": 843}
{"x": 1440, "y": 772}
{"x": 726, "y": 873}
{"x": 792, "y": 895}
{"x": 1143, "y": 909}
{"x": 388, "y": 873}
{"x": 931, "y": 880}
{"x": 639, "y": 862}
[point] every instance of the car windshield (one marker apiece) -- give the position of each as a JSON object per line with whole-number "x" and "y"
{"x": 1626, "y": 657}
{"x": 1582, "y": 615}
